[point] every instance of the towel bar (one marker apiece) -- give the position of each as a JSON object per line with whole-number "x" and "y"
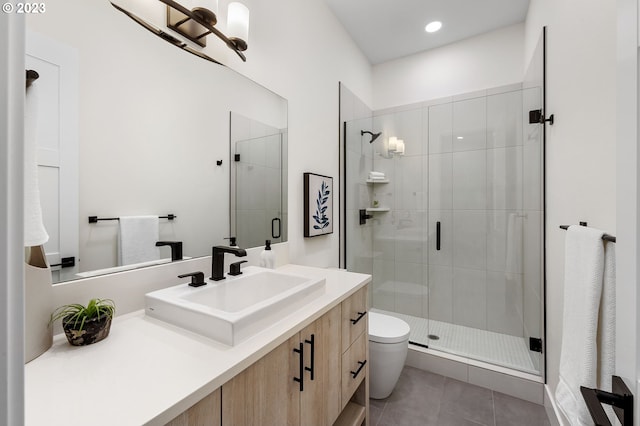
{"x": 605, "y": 237}
{"x": 95, "y": 219}
{"x": 621, "y": 399}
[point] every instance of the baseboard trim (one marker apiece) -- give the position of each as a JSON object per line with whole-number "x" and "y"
{"x": 553, "y": 412}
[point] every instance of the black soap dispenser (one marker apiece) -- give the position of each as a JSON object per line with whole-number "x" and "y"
{"x": 267, "y": 258}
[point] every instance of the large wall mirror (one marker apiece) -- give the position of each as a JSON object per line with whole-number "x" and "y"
{"x": 129, "y": 125}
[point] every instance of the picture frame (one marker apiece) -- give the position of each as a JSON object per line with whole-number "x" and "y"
{"x": 318, "y": 205}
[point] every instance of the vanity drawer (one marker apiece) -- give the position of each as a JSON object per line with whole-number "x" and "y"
{"x": 354, "y": 367}
{"x": 354, "y": 317}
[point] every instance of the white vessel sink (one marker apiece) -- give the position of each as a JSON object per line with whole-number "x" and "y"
{"x": 236, "y": 308}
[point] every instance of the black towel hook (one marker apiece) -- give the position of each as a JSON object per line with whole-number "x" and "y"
{"x": 31, "y": 76}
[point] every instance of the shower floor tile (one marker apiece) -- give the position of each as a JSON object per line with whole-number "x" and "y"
{"x": 482, "y": 345}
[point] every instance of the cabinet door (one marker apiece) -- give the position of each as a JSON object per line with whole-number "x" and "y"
{"x": 265, "y": 393}
{"x": 354, "y": 320}
{"x": 320, "y": 402}
{"x": 354, "y": 367}
{"x": 206, "y": 412}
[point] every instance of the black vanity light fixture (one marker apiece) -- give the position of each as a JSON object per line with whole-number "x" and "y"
{"x": 196, "y": 24}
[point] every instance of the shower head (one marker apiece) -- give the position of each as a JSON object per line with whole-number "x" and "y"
{"x": 374, "y": 136}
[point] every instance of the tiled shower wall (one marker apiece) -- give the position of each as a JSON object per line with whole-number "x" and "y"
{"x": 472, "y": 163}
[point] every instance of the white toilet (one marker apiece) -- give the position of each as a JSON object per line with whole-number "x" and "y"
{"x": 388, "y": 345}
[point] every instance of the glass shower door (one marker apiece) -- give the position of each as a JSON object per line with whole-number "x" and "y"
{"x": 359, "y": 226}
{"x": 385, "y": 217}
{"x": 452, "y": 233}
{"x": 258, "y": 190}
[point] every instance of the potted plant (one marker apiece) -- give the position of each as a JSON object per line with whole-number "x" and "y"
{"x": 86, "y": 325}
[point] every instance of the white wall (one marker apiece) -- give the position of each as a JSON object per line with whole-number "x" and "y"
{"x": 627, "y": 318}
{"x": 11, "y": 226}
{"x": 581, "y": 145}
{"x": 489, "y": 60}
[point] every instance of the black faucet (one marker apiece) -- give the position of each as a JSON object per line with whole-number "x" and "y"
{"x": 176, "y": 248}
{"x": 217, "y": 260}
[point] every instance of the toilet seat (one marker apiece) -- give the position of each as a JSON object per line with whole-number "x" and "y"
{"x": 387, "y": 329}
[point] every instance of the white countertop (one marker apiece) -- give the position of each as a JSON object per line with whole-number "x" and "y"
{"x": 148, "y": 371}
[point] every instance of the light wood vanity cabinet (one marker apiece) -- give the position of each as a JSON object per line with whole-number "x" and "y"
{"x": 355, "y": 356}
{"x": 270, "y": 391}
{"x": 354, "y": 317}
{"x": 320, "y": 402}
{"x": 204, "y": 413}
{"x": 354, "y": 367}
{"x": 263, "y": 394}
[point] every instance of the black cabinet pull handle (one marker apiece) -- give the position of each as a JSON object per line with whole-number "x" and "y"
{"x": 279, "y": 228}
{"x": 362, "y": 364}
{"x": 437, "y": 235}
{"x": 360, "y": 315}
{"x": 312, "y": 342}
{"x": 300, "y": 379}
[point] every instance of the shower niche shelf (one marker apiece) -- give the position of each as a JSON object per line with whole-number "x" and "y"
{"x": 378, "y": 209}
{"x": 374, "y": 181}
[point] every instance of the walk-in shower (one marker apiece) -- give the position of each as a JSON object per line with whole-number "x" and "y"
{"x": 453, "y": 236}
{"x": 453, "y": 221}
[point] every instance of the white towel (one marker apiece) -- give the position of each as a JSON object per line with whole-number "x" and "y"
{"x": 376, "y": 175}
{"x": 580, "y": 360}
{"x": 137, "y": 239}
{"x": 607, "y": 326}
{"x": 34, "y": 232}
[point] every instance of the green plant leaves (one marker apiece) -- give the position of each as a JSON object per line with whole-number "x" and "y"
{"x": 79, "y": 314}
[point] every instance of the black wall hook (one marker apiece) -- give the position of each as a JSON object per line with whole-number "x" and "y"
{"x": 219, "y": 162}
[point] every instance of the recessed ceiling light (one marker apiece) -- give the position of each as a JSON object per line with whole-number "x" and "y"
{"x": 432, "y": 27}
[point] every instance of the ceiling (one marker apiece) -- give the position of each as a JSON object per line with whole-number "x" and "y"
{"x": 390, "y": 29}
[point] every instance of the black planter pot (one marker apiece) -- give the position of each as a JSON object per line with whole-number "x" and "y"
{"x": 93, "y": 331}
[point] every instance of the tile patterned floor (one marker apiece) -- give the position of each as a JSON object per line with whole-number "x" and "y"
{"x": 422, "y": 398}
{"x": 495, "y": 348}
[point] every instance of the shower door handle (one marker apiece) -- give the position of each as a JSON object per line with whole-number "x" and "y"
{"x": 276, "y": 220}
{"x": 437, "y": 235}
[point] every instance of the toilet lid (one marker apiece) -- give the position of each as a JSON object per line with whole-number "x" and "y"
{"x": 387, "y": 329}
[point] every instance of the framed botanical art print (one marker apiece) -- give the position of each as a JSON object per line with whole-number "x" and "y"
{"x": 318, "y": 205}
